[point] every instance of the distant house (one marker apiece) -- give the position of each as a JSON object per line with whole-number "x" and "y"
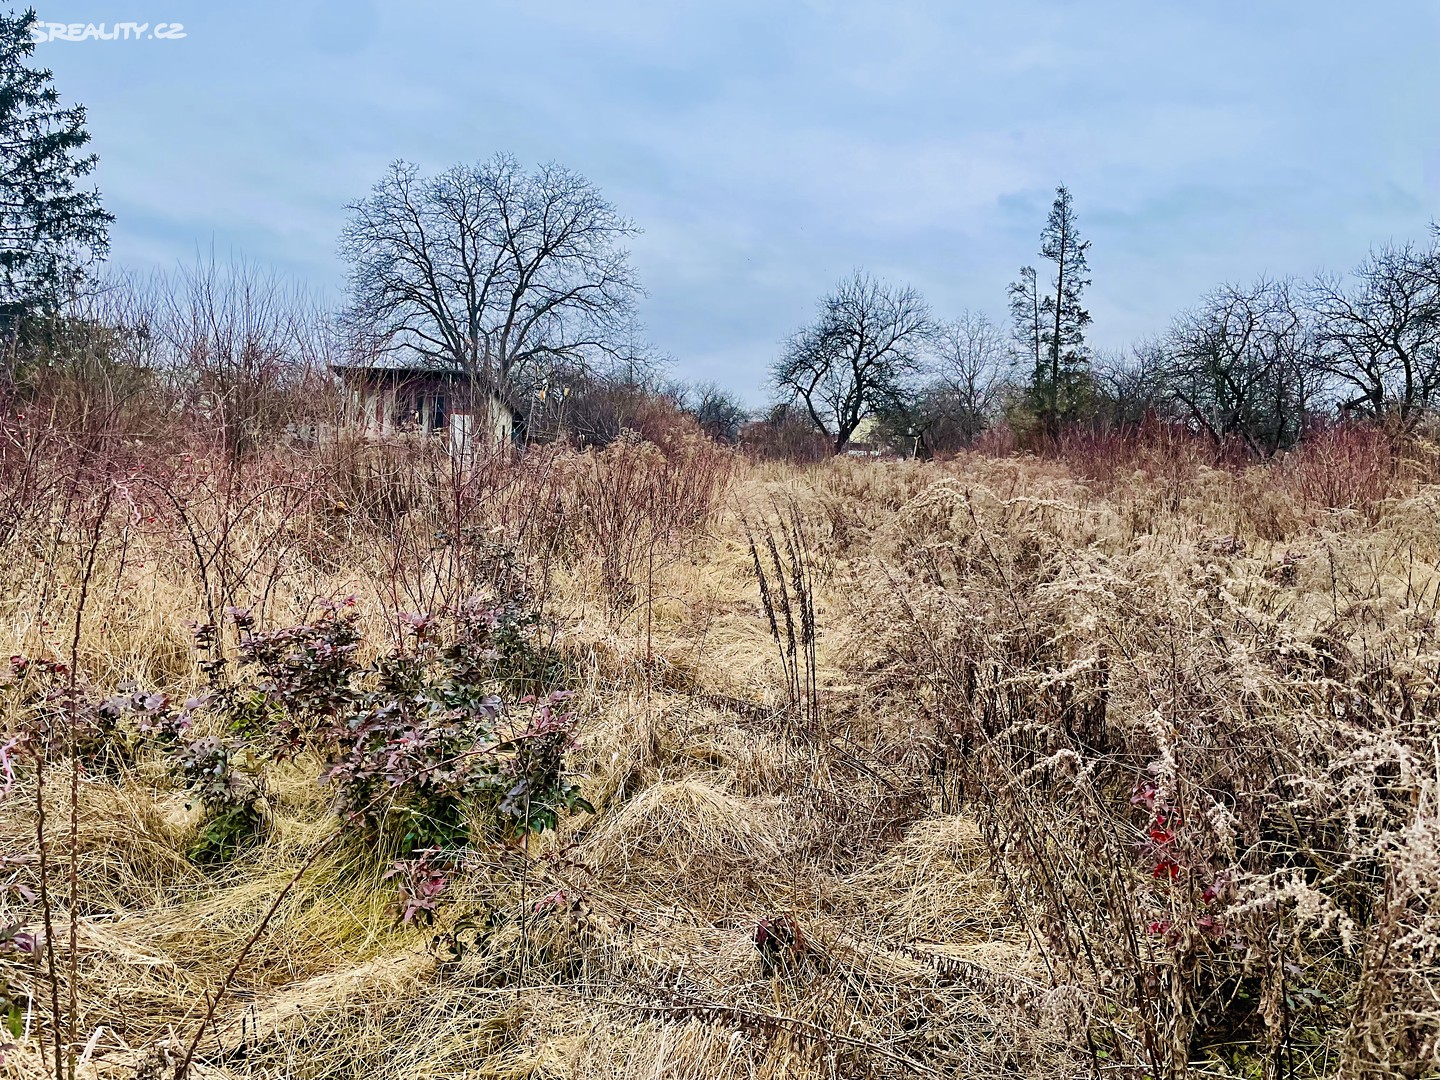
{"x": 865, "y": 441}
{"x": 387, "y": 397}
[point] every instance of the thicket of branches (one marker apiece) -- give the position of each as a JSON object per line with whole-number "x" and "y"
{"x": 503, "y": 273}
{"x": 1253, "y": 366}
{"x": 1129, "y": 770}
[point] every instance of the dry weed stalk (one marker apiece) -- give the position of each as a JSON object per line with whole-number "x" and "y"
{"x": 785, "y": 578}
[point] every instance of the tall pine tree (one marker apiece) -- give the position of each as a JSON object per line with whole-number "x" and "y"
{"x": 1050, "y": 326}
{"x": 51, "y": 231}
{"x": 1028, "y": 323}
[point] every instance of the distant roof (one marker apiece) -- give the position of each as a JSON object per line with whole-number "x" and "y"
{"x": 398, "y": 364}
{"x": 394, "y": 365}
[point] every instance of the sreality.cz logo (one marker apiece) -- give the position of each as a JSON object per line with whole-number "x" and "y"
{"x": 120, "y": 31}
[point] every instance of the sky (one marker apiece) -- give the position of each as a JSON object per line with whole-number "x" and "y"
{"x": 767, "y": 148}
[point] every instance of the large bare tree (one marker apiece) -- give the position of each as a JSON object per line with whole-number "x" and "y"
{"x": 1380, "y": 340}
{"x": 491, "y": 269}
{"x": 1239, "y": 366}
{"x": 858, "y": 358}
{"x": 970, "y": 362}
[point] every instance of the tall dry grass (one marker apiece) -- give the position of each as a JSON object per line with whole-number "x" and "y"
{"x": 1202, "y": 760}
{"x": 1066, "y": 772}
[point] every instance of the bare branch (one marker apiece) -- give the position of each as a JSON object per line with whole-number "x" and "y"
{"x": 493, "y": 270}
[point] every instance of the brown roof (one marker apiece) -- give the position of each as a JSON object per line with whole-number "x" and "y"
{"x": 391, "y": 365}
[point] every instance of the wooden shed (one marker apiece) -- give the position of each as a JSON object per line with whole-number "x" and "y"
{"x": 392, "y": 398}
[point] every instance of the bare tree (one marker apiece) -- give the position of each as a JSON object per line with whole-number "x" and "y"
{"x": 1380, "y": 341}
{"x": 1027, "y": 318}
{"x": 242, "y": 350}
{"x": 1239, "y": 366}
{"x": 964, "y": 373}
{"x": 493, "y": 270}
{"x": 1132, "y": 389}
{"x": 858, "y": 358}
{"x": 719, "y": 412}
{"x": 970, "y": 362}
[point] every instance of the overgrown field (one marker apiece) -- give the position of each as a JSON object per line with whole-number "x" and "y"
{"x": 348, "y": 761}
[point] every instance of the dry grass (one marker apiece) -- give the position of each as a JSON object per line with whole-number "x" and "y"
{"x": 1213, "y": 608}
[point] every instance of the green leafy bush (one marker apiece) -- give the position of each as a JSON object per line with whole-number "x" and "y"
{"x": 428, "y": 748}
{"x": 221, "y": 774}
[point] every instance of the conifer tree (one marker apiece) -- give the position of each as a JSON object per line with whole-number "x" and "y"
{"x": 1050, "y": 327}
{"x": 1028, "y": 328}
{"x": 51, "y": 230}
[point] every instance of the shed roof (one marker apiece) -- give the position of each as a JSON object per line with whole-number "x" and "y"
{"x": 395, "y": 365}
{"x": 399, "y": 365}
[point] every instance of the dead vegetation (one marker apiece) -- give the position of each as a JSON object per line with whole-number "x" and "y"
{"x": 1099, "y": 766}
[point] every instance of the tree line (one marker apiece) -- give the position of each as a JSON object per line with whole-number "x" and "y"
{"x": 1256, "y": 365}
{"x": 521, "y": 278}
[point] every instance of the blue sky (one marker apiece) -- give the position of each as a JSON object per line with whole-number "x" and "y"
{"x": 768, "y": 148}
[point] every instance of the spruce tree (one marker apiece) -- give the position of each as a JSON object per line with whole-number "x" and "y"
{"x": 51, "y": 230}
{"x": 1050, "y": 327}
{"x": 1028, "y": 325}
